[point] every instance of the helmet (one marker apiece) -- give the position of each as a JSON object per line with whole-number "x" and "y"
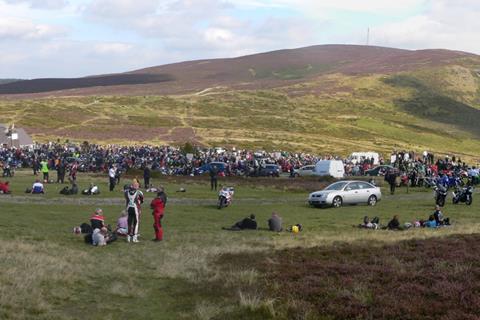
{"x": 295, "y": 229}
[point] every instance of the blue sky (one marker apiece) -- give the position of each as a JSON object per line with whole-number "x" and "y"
{"x": 70, "y": 38}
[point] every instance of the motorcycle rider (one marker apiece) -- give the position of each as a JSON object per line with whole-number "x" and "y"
{"x": 158, "y": 206}
{"x": 134, "y": 199}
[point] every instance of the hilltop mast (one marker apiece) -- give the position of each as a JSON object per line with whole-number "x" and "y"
{"x": 368, "y": 36}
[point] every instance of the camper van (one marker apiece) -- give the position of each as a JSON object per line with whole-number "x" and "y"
{"x": 332, "y": 168}
{"x": 357, "y": 157}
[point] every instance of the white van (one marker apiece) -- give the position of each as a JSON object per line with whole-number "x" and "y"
{"x": 334, "y": 168}
{"x": 357, "y": 157}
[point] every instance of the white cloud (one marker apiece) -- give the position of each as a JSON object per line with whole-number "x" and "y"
{"x": 311, "y": 6}
{"x": 41, "y": 4}
{"x": 443, "y": 25}
{"x": 217, "y": 36}
{"x": 112, "y": 48}
{"x": 21, "y": 29}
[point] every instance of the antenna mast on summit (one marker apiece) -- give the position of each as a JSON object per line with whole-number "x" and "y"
{"x": 368, "y": 36}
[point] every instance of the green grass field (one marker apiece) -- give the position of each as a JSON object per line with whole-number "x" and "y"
{"x": 47, "y": 272}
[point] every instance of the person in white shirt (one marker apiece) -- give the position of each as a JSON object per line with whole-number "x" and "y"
{"x": 37, "y": 187}
{"x": 99, "y": 237}
{"x": 112, "y": 172}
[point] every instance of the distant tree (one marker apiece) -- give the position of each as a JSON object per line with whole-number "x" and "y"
{"x": 188, "y": 148}
{"x": 85, "y": 145}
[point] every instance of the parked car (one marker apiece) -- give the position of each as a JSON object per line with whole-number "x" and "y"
{"x": 346, "y": 192}
{"x": 270, "y": 170}
{"x": 379, "y": 170}
{"x": 221, "y": 167}
{"x": 334, "y": 168}
{"x": 305, "y": 171}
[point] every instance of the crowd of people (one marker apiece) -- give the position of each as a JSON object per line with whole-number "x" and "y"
{"x": 410, "y": 167}
{"x": 434, "y": 220}
{"x": 67, "y": 160}
{"x": 99, "y": 233}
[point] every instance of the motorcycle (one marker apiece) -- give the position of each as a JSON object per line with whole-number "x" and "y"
{"x": 463, "y": 195}
{"x": 225, "y": 197}
{"x": 429, "y": 182}
{"x": 440, "y": 194}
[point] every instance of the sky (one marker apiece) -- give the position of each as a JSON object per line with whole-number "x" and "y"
{"x": 73, "y": 38}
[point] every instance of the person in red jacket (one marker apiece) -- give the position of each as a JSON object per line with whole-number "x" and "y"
{"x": 5, "y": 187}
{"x": 158, "y": 206}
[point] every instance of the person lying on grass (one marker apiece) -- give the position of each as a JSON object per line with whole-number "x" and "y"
{"x": 394, "y": 224}
{"x": 430, "y": 223}
{"x": 5, "y": 187}
{"x": 246, "y": 223}
{"x": 367, "y": 224}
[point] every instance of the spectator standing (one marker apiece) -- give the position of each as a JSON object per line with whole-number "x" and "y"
{"x": 146, "y": 176}
{"x": 112, "y": 173}
{"x": 213, "y": 177}
{"x": 45, "y": 170}
{"x": 61, "y": 171}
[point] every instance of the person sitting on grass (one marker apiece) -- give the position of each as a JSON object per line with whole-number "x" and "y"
{"x": 92, "y": 190}
{"x": 37, "y": 187}
{"x": 439, "y": 219}
{"x": 430, "y": 223}
{"x": 102, "y": 237}
{"x": 122, "y": 224}
{"x": 5, "y": 187}
{"x": 394, "y": 224}
{"x": 70, "y": 191}
{"x": 246, "y": 223}
{"x": 97, "y": 220}
{"x": 275, "y": 223}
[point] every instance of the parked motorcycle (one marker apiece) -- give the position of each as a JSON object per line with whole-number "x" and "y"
{"x": 463, "y": 195}
{"x": 429, "y": 182}
{"x": 225, "y": 197}
{"x": 440, "y": 194}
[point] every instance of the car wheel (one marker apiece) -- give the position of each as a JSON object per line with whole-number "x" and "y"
{"x": 372, "y": 200}
{"x": 337, "y": 202}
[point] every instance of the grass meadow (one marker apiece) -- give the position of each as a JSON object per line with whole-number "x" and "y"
{"x": 200, "y": 271}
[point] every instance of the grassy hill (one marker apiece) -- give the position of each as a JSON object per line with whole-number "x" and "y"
{"x": 435, "y": 106}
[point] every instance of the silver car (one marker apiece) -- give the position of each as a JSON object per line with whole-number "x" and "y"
{"x": 346, "y": 192}
{"x": 305, "y": 171}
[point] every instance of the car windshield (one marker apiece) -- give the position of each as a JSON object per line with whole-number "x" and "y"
{"x": 336, "y": 186}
